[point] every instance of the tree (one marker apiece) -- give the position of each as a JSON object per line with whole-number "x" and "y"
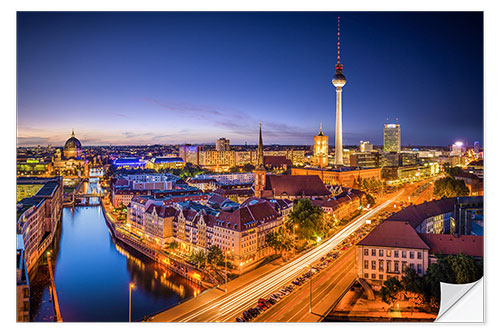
{"x": 215, "y": 256}
{"x": 451, "y": 171}
{"x": 280, "y": 240}
{"x": 370, "y": 200}
{"x": 463, "y": 268}
{"x": 199, "y": 257}
{"x": 449, "y": 187}
{"x": 173, "y": 245}
{"x": 308, "y": 219}
{"x": 392, "y": 286}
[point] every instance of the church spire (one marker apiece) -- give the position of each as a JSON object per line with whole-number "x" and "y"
{"x": 72, "y": 132}
{"x": 260, "y": 150}
{"x": 320, "y": 129}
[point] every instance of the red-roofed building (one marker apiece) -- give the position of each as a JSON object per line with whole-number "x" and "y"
{"x": 158, "y": 220}
{"x": 472, "y": 246}
{"x": 293, "y": 187}
{"x": 389, "y": 249}
{"x": 473, "y": 183}
{"x": 277, "y": 162}
{"x": 241, "y": 232}
{"x": 429, "y": 217}
{"x": 342, "y": 205}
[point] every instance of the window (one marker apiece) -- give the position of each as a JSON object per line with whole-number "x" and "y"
{"x": 388, "y": 252}
{"x": 419, "y": 268}
{"x": 26, "y": 306}
{"x": 374, "y": 265}
{"x": 374, "y": 252}
{"x": 403, "y": 254}
{"x": 381, "y": 265}
{"x": 373, "y": 276}
{"x": 366, "y": 275}
{"x": 396, "y": 254}
{"x": 365, "y": 252}
{"x": 381, "y": 253}
{"x": 412, "y": 254}
{"x": 366, "y": 264}
{"x": 403, "y": 266}
{"x": 419, "y": 255}
{"x": 380, "y": 276}
{"x": 412, "y": 266}
{"x": 396, "y": 266}
{"x": 388, "y": 266}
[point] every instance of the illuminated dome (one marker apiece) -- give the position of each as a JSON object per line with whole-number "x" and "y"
{"x": 72, "y": 147}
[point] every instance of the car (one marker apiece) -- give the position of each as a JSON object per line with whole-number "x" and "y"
{"x": 247, "y": 316}
{"x": 262, "y": 300}
{"x": 253, "y": 312}
{"x": 240, "y": 320}
{"x": 284, "y": 291}
{"x": 258, "y": 310}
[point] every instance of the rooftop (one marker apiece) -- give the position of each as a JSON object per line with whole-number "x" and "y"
{"x": 296, "y": 185}
{"x": 450, "y": 245}
{"x": 394, "y": 234}
{"x": 417, "y": 214}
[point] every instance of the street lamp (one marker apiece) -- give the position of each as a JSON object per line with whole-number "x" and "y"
{"x": 310, "y": 290}
{"x": 225, "y": 264}
{"x": 131, "y": 286}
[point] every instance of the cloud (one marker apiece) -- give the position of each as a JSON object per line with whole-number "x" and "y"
{"x": 32, "y": 140}
{"x": 187, "y": 108}
{"x": 120, "y": 115}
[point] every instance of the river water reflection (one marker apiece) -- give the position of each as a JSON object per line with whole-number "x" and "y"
{"x": 92, "y": 275}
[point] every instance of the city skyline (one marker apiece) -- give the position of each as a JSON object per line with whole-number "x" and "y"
{"x": 173, "y": 78}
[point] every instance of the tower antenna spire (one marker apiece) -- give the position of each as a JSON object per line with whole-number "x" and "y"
{"x": 338, "y": 40}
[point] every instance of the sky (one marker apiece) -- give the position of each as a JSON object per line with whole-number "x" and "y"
{"x": 192, "y": 77}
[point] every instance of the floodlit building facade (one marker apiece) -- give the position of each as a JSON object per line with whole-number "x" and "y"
{"x": 392, "y": 138}
{"x": 321, "y": 149}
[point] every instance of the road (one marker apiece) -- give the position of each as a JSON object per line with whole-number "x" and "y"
{"x": 228, "y": 306}
{"x": 327, "y": 287}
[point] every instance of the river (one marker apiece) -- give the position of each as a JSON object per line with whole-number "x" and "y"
{"x": 92, "y": 274}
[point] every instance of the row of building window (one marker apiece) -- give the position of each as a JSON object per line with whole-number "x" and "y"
{"x": 388, "y": 253}
{"x": 389, "y": 266}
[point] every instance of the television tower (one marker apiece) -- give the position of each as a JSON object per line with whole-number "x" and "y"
{"x": 338, "y": 81}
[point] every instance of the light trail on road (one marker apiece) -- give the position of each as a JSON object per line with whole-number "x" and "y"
{"x": 231, "y": 305}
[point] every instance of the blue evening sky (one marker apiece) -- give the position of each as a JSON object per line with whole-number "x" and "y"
{"x": 190, "y": 77}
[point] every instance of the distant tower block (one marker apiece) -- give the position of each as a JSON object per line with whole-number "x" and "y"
{"x": 321, "y": 149}
{"x": 338, "y": 81}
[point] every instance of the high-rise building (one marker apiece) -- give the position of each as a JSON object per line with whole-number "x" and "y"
{"x": 477, "y": 148}
{"x": 338, "y": 81}
{"x": 222, "y": 144}
{"x": 321, "y": 149}
{"x": 392, "y": 138}
{"x": 190, "y": 154}
{"x": 365, "y": 146}
{"x": 457, "y": 149}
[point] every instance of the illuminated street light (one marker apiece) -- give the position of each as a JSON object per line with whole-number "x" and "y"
{"x": 310, "y": 289}
{"x": 131, "y": 286}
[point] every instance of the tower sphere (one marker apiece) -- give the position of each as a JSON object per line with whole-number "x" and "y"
{"x": 339, "y": 78}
